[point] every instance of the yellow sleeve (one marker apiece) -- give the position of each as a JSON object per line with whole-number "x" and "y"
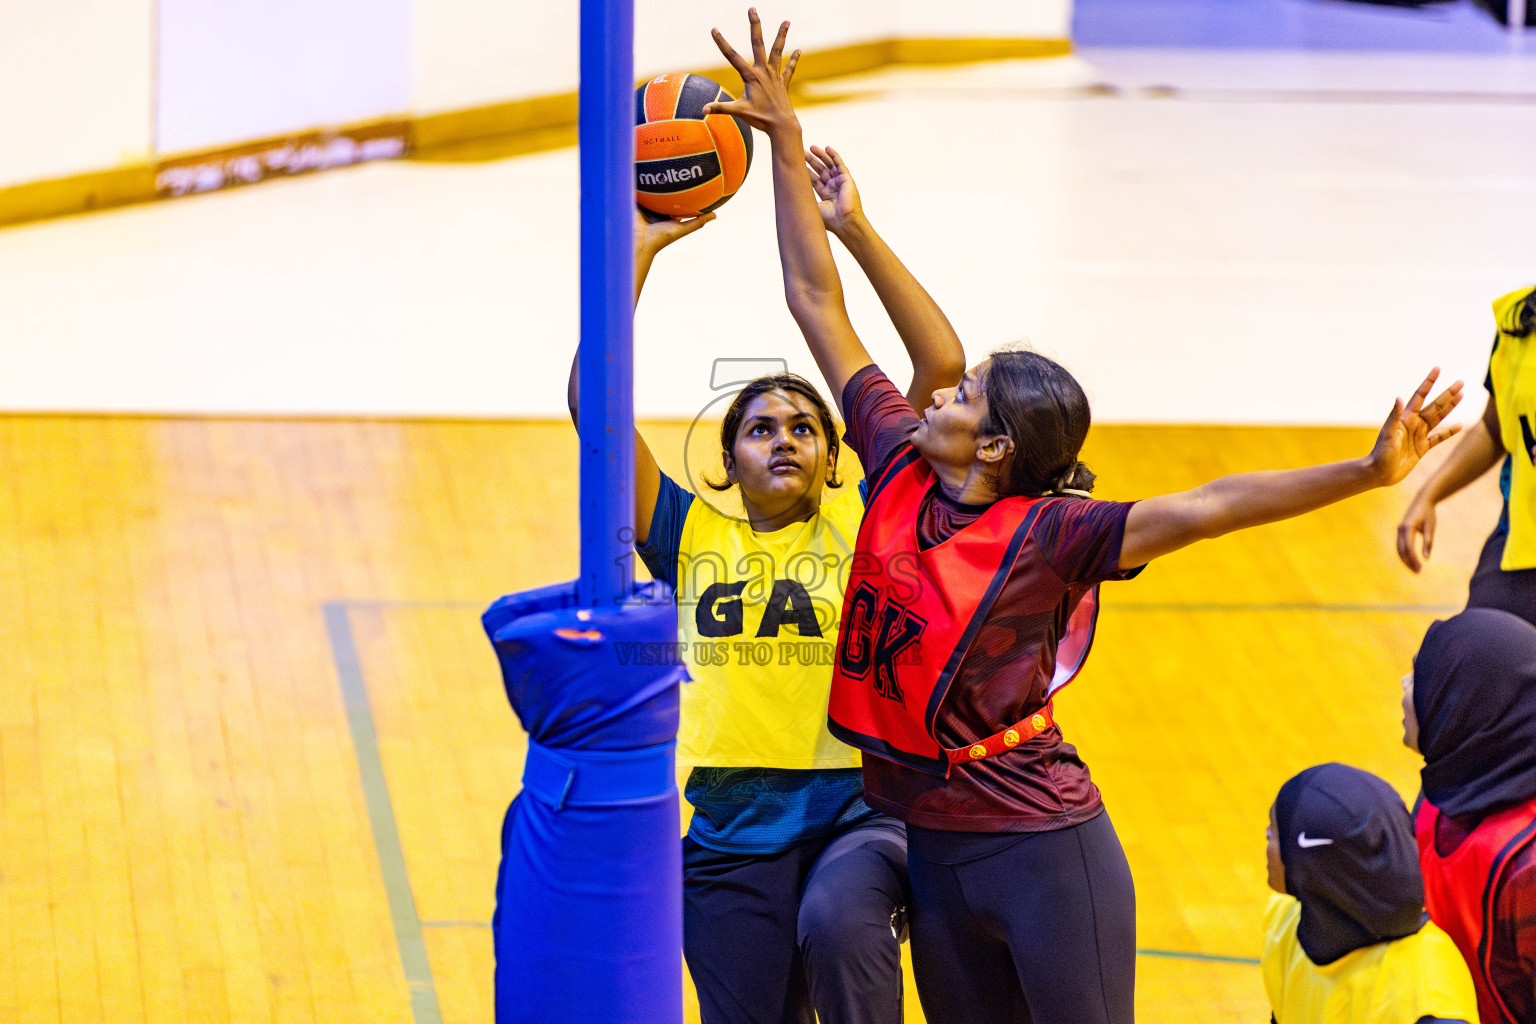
{"x": 1281, "y": 916}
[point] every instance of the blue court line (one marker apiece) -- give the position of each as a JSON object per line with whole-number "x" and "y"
{"x": 386, "y": 833}
{"x": 1174, "y": 954}
{"x": 381, "y": 816}
{"x": 1131, "y": 606}
{"x": 1167, "y": 954}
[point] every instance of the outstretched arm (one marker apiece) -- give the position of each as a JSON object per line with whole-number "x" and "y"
{"x": 1479, "y": 450}
{"x": 1164, "y": 524}
{"x": 650, "y": 238}
{"x": 938, "y": 360}
{"x": 811, "y": 285}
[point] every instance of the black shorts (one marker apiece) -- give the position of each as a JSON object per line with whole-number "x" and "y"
{"x": 1513, "y": 591}
{"x": 782, "y": 938}
{"x": 1023, "y": 927}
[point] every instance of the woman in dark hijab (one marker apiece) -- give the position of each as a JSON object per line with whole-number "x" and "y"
{"x": 1354, "y": 944}
{"x": 1469, "y": 707}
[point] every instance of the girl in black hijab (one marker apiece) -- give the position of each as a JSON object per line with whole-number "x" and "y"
{"x": 1354, "y": 944}
{"x": 1470, "y": 708}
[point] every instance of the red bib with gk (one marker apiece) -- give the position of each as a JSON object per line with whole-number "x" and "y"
{"x": 910, "y": 615}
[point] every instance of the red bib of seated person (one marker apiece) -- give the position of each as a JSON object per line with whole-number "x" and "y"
{"x": 1459, "y": 889}
{"x": 909, "y": 616}
{"x": 686, "y": 163}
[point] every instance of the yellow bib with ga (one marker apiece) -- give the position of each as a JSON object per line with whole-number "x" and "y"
{"x": 757, "y": 615}
{"x": 1394, "y": 982}
{"x": 1514, "y": 393}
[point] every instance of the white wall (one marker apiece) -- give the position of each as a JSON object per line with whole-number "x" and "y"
{"x": 468, "y": 52}
{"x": 88, "y": 85}
{"x": 958, "y": 19}
{"x": 74, "y": 86}
{"x": 237, "y": 70}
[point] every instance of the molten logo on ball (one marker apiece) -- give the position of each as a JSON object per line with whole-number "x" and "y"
{"x": 671, "y": 176}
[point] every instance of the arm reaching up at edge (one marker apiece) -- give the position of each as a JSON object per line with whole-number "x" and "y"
{"x": 650, "y": 238}
{"x": 812, "y": 287}
{"x": 938, "y": 359}
{"x": 1158, "y": 526}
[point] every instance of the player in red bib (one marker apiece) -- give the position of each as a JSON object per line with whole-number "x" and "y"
{"x": 1469, "y": 706}
{"x": 968, "y": 603}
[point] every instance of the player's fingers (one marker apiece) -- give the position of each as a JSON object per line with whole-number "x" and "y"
{"x": 729, "y": 53}
{"x": 776, "y": 54}
{"x": 736, "y": 107}
{"x": 1423, "y": 390}
{"x": 1429, "y": 535}
{"x": 836, "y": 158}
{"x": 814, "y": 160}
{"x": 1395, "y": 415}
{"x": 688, "y": 227}
{"x": 1441, "y": 407}
{"x": 759, "y": 54}
{"x": 1443, "y": 435}
{"x": 1405, "y": 552}
{"x": 789, "y": 68}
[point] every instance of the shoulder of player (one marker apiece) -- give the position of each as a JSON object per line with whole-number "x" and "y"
{"x": 1074, "y": 511}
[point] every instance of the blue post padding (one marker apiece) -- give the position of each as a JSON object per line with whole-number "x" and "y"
{"x": 588, "y": 923}
{"x": 600, "y": 778}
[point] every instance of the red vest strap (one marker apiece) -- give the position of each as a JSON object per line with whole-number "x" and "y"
{"x": 1021, "y": 731}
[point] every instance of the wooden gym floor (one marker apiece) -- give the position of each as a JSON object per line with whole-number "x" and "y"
{"x": 254, "y": 751}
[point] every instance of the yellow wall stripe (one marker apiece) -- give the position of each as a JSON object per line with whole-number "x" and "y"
{"x": 488, "y": 132}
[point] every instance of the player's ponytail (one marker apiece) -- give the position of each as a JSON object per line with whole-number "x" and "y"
{"x": 1041, "y": 408}
{"x": 1076, "y": 480}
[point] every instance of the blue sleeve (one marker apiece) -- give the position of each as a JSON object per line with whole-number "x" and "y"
{"x": 659, "y": 552}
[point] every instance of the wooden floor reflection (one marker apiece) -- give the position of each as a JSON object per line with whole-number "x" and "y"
{"x": 187, "y": 832}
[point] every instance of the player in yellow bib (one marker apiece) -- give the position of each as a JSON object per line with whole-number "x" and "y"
{"x": 1346, "y": 937}
{"x": 1505, "y": 577}
{"x": 793, "y": 887}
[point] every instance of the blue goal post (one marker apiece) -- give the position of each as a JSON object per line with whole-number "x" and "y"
{"x": 607, "y": 141}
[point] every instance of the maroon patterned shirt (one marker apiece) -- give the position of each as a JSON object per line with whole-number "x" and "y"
{"x": 1041, "y": 785}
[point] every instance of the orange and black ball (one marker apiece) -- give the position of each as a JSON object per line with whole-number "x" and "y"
{"x": 686, "y": 163}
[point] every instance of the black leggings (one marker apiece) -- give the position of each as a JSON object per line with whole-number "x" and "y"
{"x": 1492, "y": 587}
{"x": 788, "y": 937}
{"x": 1023, "y": 928}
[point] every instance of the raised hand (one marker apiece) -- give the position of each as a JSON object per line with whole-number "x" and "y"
{"x": 1410, "y": 430}
{"x": 837, "y": 194}
{"x": 1418, "y": 521}
{"x": 764, "y": 102}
